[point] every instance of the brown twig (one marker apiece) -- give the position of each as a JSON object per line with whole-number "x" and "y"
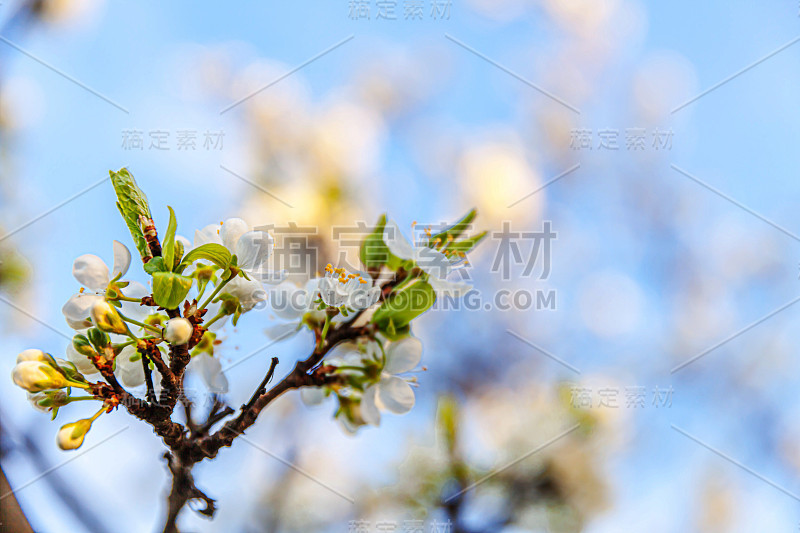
{"x": 262, "y": 388}
{"x": 208, "y": 447}
{"x": 148, "y": 378}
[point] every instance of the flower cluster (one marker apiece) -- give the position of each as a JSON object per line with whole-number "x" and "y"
{"x": 139, "y": 340}
{"x": 403, "y": 283}
{"x": 370, "y": 380}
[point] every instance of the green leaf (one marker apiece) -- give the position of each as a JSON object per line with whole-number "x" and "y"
{"x": 179, "y": 250}
{"x": 216, "y": 253}
{"x": 374, "y": 253}
{"x": 170, "y": 289}
{"x": 156, "y": 264}
{"x": 132, "y": 204}
{"x": 467, "y": 244}
{"x": 168, "y": 247}
{"x": 397, "y": 312}
{"x": 456, "y": 229}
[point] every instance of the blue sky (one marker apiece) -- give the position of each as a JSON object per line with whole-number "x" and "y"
{"x": 740, "y": 139}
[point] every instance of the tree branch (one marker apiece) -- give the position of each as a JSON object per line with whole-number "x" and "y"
{"x": 262, "y": 388}
{"x": 183, "y": 489}
{"x": 148, "y": 378}
{"x": 208, "y": 447}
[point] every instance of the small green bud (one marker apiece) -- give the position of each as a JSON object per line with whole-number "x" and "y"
{"x": 71, "y": 371}
{"x": 44, "y": 401}
{"x": 229, "y": 303}
{"x": 99, "y": 339}
{"x": 83, "y": 346}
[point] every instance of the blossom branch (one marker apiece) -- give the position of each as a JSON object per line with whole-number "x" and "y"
{"x": 208, "y": 447}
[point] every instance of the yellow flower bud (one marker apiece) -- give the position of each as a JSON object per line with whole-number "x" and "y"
{"x": 35, "y": 376}
{"x": 33, "y": 354}
{"x": 70, "y": 436}
{"x": 178, "y": 331}
{"x": 107, "y": 319}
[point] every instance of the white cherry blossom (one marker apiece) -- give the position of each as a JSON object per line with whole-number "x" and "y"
{"x": 339, "y": 288}
{"x": 392, "y": 393}
{"x": 290, "y": 303}
{"x": 253, "y": 248}
{"x": 93, "y": 274}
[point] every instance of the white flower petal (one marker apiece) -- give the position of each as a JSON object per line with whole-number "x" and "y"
{"x": 312, "y": 286}
{"x": 129, "y": 372}
{"x": 78, "y": 308}
{"x": 254, "y": 249}
{"x": 231, "y": 230}
{"x": 341, "y": 351}
{"x": 403, "y": 355}
{"x": 312, "y": 395}
{"x": 249, "y": 292}
{"x": 329, "y": 292}
{"x": 288, "y": 301}
{"x": 209, "y": 234}
{"x": 81, "y": 362}
{"x": 91, "y": 272}
{"x": 122, "y": 260}
{"x": 395, "y": 395}
{"x": 442, "y": 287}
{"x": 134, "y": 309}
{"x": 272, "y": 277}
{"x": 363, "y": 296}
{"x": 210, "y": 369}
{"x": 187, "y": 244}
{"x": 369, "y": 410}
{"x": 349, "y": 427}
{"x": 397, "y": 242}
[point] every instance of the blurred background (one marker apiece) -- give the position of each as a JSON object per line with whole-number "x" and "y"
{"x": 650, "y": 386}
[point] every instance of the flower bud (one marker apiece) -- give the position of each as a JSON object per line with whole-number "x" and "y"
{"x": 32, "y": 354}
{"x": 36, "y": 398}
{"x": 178, "y": 331}
{"x": 99, "y": 339}
{"x": 82, "y": 345}
{"x": 70, "y": 436}
{"x": 107, "y": 318}
{"x": 43, "y": 401}
{"x": 34, "y": 376}
{"x": 228, "y": 304}
{"x": 70, "y": 370}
